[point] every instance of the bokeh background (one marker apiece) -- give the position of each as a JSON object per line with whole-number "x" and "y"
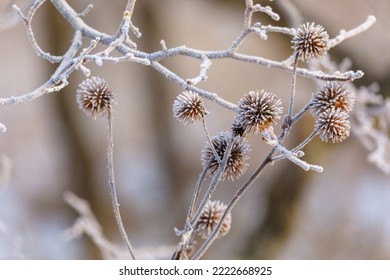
{"x": 52, "y": 147}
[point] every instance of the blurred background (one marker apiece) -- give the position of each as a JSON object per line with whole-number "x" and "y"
{"x": 51, "y": 146}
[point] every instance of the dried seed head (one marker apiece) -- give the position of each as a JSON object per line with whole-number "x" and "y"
{"x": 310, "y": 41}
{"x": 210, "y": 217}
{"x": 257, "y": 111}
{"x": 333, "y": 95}
{"x": 188, "y": 108}
{"x": 94, "y": 97}
{"x": 237, "y": 128}
{"x": 333, "y": 125}
{"x": 236, "y": 163}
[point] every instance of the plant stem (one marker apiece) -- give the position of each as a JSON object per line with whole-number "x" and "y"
{"x": 300, "y": 146}
{"x": 195, "y": 195}
{"x": 219, "y": 160}
{"x": 111, "y": 183}
{"x": 287, "y": 119}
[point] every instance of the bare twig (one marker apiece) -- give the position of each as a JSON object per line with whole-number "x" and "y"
{"x": 292, "y": 157}
{"x": 30, "y": 34}
{"x": 181, "y": 82}
{"x": 111, "y": 182}
{"x": 206, "y": 131}
{"x": 203, "y": 71}
{"x": 287, "y": 119}
{"x": 60, "y": 76}
{"x": 353, "y": 32}
{"x": 86, "y": 11}
{"x": 88, "y": 224}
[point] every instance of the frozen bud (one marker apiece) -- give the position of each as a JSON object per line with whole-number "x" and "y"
{"x": 333, "y": 95}
{"x": 236, "y": 164}
{"x": 94, "y": 97}
{"x": 310, "y": 41}
{"x": 333, "y": 125}
{"x": 210, "y": 217}
{"x": 256, "y": 112}
{"x": 188, "y": 108}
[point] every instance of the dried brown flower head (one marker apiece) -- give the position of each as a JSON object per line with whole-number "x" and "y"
{"x": 236, "y": 163}
{"x": 237, "y": 128}
{"x": 94, "y": 97}
{"x": 333, "y": 95}
{"x": 188, "y": 108}
{"x": 310, "y": 41}
{"x": 210, "y": 217}
{"x": 333, "y": 125}
{"x": 256, "y": 112}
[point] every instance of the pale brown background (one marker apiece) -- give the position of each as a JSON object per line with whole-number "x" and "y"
{"x": 288, "y": 214}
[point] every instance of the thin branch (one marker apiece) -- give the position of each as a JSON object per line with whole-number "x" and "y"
{"x": 181, "y": 82}
{"x": 287, "y": 119}
{"x": 187, "y": 233}
{"x": 296, "y": 152}
{"x": 219, "y": 160}
{"x": 30, "y": 34}
{"x": 301, "y": 112}
{"x": 353, "y": 32}
{"x": 267, "y": 10}
{"x": 86, "y": 11}
{"x": 67, "y": 58}
{"x": 277, "y": 29}
{"x": 130, "y": 6}
{"x": 203, "y": 72}
{"x": 346, "y": 76}
{"x": 199, "y": 54}
{"x": 195, "y": 196}
{"x": 88, "y": 224}
{"x": 306, "y": 141}
{"x": 59, "y": 79}
{"x": 111, "y": 182}
{"x": 100, "y": 59}
{"x": 274, "y": 142}
{"x": 43, "y": 89}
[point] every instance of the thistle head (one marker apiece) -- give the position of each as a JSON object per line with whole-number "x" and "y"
{"x": 333, "y": 125}
{"x": 256, "y": 112}
{"x": 236, "y": 163}
{"x": 94, "y": 97}
{"x": 333, "y": 95}
{"x": 188, "y": 108}
{"x": 310, "y": 41}
{"x": 210, "y": 217}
